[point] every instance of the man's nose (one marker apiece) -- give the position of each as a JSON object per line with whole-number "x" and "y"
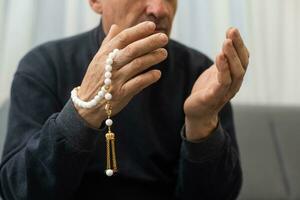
{"x": 157, "y": 8}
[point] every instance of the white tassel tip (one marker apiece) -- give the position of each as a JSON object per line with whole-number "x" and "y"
{"x": 109, "y": 172}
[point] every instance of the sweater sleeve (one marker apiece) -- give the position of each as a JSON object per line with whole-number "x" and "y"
{"x": 210, "y": 168}
{"x": 47, "y": 148}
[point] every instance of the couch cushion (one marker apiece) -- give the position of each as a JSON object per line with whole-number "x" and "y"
{"x": 261, "y": 167}
{"x": 3, "y": 124}
{"x": 286, "y": 122}
{"x": 268, "y": 138}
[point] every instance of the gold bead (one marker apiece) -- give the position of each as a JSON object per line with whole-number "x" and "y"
{"x": 110, "y": 136}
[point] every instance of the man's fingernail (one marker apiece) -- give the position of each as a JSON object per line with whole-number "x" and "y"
{"x": 223, "y": 59}
{"x": 163, "y": 37}
{"x": 151, "y": 25}
{"x": 229, "y": 42}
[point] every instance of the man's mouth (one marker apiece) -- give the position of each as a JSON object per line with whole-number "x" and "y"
{"x": 160, "y": 26}
{"x": 160, "y": 30}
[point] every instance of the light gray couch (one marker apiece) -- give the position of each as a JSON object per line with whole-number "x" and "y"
{"x": 269, "y": 140}
{"x": 3, "y": 122}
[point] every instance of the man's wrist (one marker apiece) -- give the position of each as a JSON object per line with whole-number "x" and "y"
{"x": 197, "y": 129}
{"x": 90, "y": 116}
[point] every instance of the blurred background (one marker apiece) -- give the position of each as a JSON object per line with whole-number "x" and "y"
{"x": 269, "y": 98}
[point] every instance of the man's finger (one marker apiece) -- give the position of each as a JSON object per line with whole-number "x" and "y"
{"x": 236, "y": 69}
{"x": 224, "y": 77}
{"x": 239, "y": 45}
{"x": 140, "y": 82}
{"x": 113, "y": 31}
{"x": 140, "y": 48}
{"x": 142, "y": 63}
{"x": 131, "y": 35}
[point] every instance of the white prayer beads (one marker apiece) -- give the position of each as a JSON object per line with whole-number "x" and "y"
{"x": 108, "y": 122}
{"x": 103, "y": 93}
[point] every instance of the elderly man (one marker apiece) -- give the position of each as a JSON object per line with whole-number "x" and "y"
{"x": 169, "y": 105}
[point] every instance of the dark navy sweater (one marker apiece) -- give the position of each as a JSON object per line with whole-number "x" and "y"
{"x": 51, "y": 153}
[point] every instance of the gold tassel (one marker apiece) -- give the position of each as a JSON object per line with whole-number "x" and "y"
{"x": 110, "y": 147}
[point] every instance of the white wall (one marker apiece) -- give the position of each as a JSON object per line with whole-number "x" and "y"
{"x": 270, "y": 29}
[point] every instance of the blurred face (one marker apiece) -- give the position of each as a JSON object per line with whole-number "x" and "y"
{"x": 127, "y": 13}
